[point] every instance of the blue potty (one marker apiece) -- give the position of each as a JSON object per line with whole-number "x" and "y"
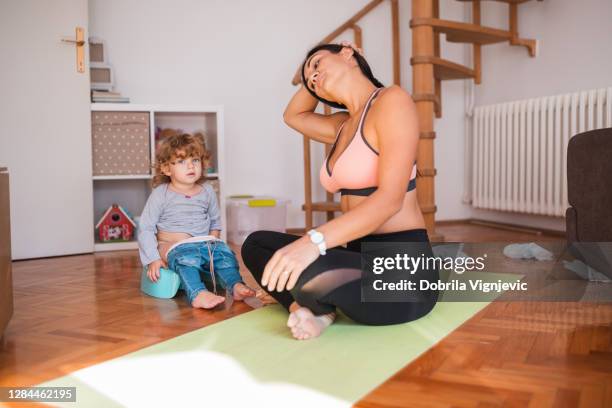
{"x": 166, "y": 286}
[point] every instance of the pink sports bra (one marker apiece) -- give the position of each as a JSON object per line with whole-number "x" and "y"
{"x": 356, "y": 170}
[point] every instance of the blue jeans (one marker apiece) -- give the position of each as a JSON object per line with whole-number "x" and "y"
{"x": 189, "y": 260}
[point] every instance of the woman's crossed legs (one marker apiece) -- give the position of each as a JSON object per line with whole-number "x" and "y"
{"x": 332, "y": 281}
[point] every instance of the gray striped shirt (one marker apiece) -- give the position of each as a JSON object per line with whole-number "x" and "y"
{"x": 169, "y": 211}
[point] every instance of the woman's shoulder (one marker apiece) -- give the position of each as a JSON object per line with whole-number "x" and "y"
{"x": 394, "y": 94}
{"x": 392, "y": 100}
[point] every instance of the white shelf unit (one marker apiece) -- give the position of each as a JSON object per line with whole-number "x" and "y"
{"x": 124, "y": 177}
{"x": 132, "y": 191}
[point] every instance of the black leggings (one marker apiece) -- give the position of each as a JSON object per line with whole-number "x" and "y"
{"x": 334, "y": 280}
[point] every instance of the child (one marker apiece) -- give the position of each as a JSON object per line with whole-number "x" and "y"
{"x": 179, "y": 219}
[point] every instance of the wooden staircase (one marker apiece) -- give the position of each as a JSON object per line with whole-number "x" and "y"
{"x": 429, "y": 70}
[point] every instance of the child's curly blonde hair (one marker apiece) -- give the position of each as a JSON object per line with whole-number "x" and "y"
{"x": 179, "y": 146}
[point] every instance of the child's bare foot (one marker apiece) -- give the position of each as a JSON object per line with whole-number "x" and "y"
{"x": 305, "y": 325}
{"x": 207, "y": 300}
{"x": 242, "y": 291}
{"x": 265, "y": 297}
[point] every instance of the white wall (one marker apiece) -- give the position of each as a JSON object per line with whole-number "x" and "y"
{"x": 450, "y": 135}
{"x": 574, "y": 54}
{"x": 243, "y": 54}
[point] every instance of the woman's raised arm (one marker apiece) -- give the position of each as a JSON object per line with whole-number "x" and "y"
{"x": 300, "y": 116}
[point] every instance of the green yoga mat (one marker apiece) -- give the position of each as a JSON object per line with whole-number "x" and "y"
{"x": 252, "y": 359}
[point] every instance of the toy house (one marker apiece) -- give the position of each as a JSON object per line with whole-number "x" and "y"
{"x": 115, "y": 225}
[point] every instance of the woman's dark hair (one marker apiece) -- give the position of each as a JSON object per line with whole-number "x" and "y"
{"x": 335, "y": 49}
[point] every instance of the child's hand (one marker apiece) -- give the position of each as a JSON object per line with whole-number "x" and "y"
{"x": 153, "y": 269}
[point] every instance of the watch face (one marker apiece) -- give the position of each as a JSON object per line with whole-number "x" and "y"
{"x": 317, "y": 237}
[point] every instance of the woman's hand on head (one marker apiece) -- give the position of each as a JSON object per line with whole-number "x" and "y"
{"x": 287, "y": 264}
{"x": 353, "y": 46}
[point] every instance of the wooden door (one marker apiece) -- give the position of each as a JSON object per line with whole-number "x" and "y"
{"x": 45, "y": 132}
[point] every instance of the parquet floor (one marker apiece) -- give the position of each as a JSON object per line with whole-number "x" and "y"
{"x": 512, "y": 355}
{"x": 72, "y": 312}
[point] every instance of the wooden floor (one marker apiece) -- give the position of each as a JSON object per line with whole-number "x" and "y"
{"x": 72, "y": 312}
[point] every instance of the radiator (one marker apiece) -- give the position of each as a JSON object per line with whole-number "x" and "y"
{"x": 519, "y": 149}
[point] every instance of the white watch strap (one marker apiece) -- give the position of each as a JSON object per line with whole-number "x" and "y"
{"x": 321, "y": 245}
{"x": 322, "y": 248}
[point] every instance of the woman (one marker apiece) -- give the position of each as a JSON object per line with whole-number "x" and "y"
{"x": 372, "y": 164}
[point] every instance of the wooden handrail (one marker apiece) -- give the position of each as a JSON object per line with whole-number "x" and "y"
{"x": 345, "y": 26}
{"x": 396, "y": 42}
{"x": 357, "y": 35}
{"x": 477, "y": 48}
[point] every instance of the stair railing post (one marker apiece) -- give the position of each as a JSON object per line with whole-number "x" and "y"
{"x": 307, "y": 184}
{"x": 477, "y": 47}
{"x": 423, "y": 83}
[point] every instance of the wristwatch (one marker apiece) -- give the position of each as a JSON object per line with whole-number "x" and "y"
{"x": 318, "y": 239}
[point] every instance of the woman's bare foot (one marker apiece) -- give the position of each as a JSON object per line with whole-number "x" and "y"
{"x": 305, "y": 325}
{"x": 242, "y": 291}
{"x": 207, "y": 300}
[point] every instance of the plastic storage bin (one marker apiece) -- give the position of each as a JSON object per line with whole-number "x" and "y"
{"x": 246, "y": 214}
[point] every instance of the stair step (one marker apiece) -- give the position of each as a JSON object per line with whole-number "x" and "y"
{"x": 445, "y": 69}
{"x": 429, "y": 98}
{"x": 323, "y": 206}
{"x": 464, "y": 32}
